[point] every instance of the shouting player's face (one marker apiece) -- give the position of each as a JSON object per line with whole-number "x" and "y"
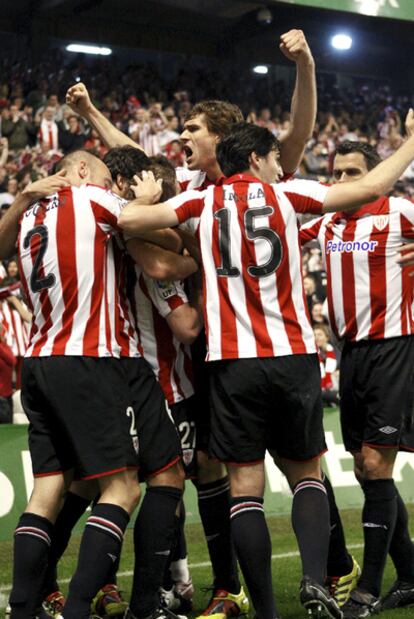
{"x": 350, "y": 167}
{"x": 199, "y": 144}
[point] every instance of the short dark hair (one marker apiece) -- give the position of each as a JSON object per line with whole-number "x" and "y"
{"x": 162, "y": 168}
{"x": 368, "y": 151}
{"x": 126, "y": 161}
{"x": 233, "y": 151}
{"x": 220, "y": 116}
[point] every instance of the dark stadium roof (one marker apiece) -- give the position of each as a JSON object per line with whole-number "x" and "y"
{"x": 211, "y": 28}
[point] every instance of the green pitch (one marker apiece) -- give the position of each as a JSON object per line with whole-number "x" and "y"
{"x": 286, "y": 565}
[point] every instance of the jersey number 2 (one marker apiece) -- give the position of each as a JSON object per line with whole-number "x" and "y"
{"x": 37, "y": 283}
{"x": 226, "y": 269}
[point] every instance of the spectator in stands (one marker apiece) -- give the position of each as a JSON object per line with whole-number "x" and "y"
{"x": 309, "y": 284}
{"x": 317, "y": 314}
{"x": 8, "y": 196}
{"x": 19, "y": 132}
{"x": 316, "y": 161}
{"x": 48, "y": 132}
{"x": 71, "y": 138}
{"x": 328, "y": 365}
{"x": 7, "y": 363}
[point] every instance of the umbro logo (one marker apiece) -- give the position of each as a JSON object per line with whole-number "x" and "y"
{"x": 388, "y": 430}
{"x": 113, "y": 557}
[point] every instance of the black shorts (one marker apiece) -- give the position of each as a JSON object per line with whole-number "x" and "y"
{"x": 158, "y": 441}
{"x": 377, "y": 394}
{"x": 266, "y": 403}
{"x": 183, "y": 414}
{"x": 202, "y": 392}
{"x": 78, "y": 412}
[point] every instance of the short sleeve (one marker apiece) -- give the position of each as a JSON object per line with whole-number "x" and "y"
{"x": 406, "y": 210}
{"x": 305, "y": 196}
{"x": 310, "y": 231}
{"x": 188, "y": 207}
{"x": 166, "y": 295}
{"x": 106, "y": 205}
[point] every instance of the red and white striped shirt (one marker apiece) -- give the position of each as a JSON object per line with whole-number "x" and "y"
{"x": 369, "y": 295}
{"x": 15, "y": 329}
{"x": 123, "y": 319}
{"x": 328, "y": 365}
{"x": 68, "y": 279}
{"x": 169, "y": 358}
{"x": 254, "y": 299}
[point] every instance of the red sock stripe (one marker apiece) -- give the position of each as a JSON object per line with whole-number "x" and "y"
{"x": 305, "y": 485}
{"x": 248, "y": 506}
{"x": 106, "y": 525}
{"x": 34, "y": 532}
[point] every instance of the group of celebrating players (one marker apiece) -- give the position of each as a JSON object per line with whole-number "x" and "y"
{"x": 170, "y": 336}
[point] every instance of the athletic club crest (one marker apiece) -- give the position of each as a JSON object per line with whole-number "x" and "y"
{"x": 188, "y": 455}
{"x": 381, "y": 221}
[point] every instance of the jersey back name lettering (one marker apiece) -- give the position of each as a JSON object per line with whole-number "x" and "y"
{"x": 69, "y": 281}
{"x": 254, "y": 298}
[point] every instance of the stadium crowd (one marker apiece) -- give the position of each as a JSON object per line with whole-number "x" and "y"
{"x": 37, "y": 128}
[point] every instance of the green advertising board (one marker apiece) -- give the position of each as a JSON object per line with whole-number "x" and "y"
{"x": 396, "y": 9}
{"x": 16, "y": 479}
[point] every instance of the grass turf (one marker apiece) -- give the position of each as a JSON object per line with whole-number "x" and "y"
{"x": 286, "y": 565}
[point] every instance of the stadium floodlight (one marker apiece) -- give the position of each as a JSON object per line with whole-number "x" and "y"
{"x": 80, "y": 48}
{"x": 261, "y": 69}
{"x": 341, "y": 41}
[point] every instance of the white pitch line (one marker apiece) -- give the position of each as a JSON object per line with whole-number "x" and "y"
{"x": 194, "y": 566}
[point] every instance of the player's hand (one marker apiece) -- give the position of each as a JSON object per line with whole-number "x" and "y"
{"x": 409, "y": 123}
{"x": 77, "y": 97}
{"x": 406, "y": 255}
{"x": 294, "y": 46}
{"x": 147, "y": 189}
{"x": 46, "y": 186}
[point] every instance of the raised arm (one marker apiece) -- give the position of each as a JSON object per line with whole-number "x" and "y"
{"x": 304, "y": 101}
{"x": 77, "y": 97}
{"x": 377, "y": 182}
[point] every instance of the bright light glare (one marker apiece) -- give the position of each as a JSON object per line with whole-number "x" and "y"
{"x": 341, "y": 41}
{"x": 261, "y": 69}
{"x": 88, "y": 49}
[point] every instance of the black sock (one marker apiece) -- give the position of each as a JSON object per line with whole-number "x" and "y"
{"x": 254, "y": 551}
{"x": 180, "y": 547}
{"x": 339, "y": 560}
{"x": 154, "y": 534}
{"x": 378, "y": 520}
{"x": 73, "y": 508}
{"x": 178, "y": 550}
{"x": 214, "y": 508}
{"x": 100, "y": 548}
{"x": 32, "y": 540}
{"x": 401, "y": 546}
{"x": 310, "y": 520}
